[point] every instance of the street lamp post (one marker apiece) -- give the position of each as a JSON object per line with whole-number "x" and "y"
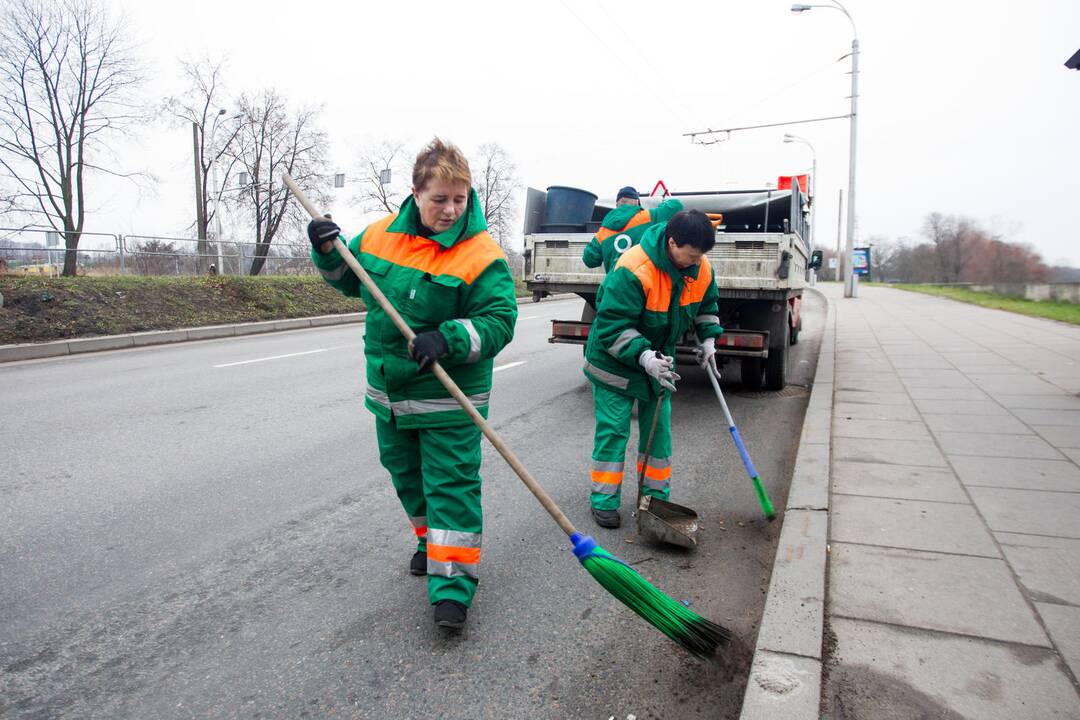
{"x": 851, "y": 285}
{"x": 789, "y": 138}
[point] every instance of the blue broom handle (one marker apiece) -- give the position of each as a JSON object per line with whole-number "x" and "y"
{"x": 742, "y": 451}
{"x": 747, "y": 462}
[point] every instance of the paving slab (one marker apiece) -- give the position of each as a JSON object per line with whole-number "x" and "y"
{"x": 1063, "y": 624}
{"x": 1016, "y": 473}
{"x": 936, "y": 406}
{"x": 940, "y": 393}
{"x": 868, "y": 411}
{"x": 911, "y": 524}
{"x": 996, "y": 445}
{"x": 1029, "y": 511}
{"x": 792, "y": 620}
{"x": 1040, "y": 402}
{"x": 1060, "y": 436}
{"x": 945, "y": 381}
{"x": 897, "y": 481}
{"x": 898, "y": 452}
{"x": 872, "y": 398}
{"x": 976, "y": 424}
{"x": 782, "y": 686}
{"x": 1014, "y": 384}
{"x": 879, "y": 382}
{"x": 890, "y": 673}
{"x": 903, "y": 363}
{"x": 880, "y": 429}
{"x": 1073, "y": 454}
{"x": 975, "y": 358}
{"x": 1061, "y": 418}
{"x": 952, "y": 593}
{"x": 1048, "y": 567}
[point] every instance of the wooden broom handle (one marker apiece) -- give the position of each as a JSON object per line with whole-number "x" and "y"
{"x": 437, "y": 369}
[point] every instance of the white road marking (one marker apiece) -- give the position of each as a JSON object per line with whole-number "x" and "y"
{"x": 507, "y": 366}
{"x": 529, "y": 317}
{"x": 274, "y": 357}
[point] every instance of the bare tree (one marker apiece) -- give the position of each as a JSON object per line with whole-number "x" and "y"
{"x": 273, "y": 139}
{"x": 214, "y": 130}
{"x": 373, "y": 194}
{"x": 496, "y": 182}
{"x": 66, "y": 82}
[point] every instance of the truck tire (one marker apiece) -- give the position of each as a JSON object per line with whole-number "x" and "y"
{"x": 776, "y": 363}
{"x": 752, "y": 371}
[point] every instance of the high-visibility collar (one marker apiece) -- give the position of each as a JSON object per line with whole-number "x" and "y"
{"x": 654, "y": 243}
{"x": 470, "y": 223}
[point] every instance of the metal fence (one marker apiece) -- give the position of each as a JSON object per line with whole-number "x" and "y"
{"x": 41, "y": 252}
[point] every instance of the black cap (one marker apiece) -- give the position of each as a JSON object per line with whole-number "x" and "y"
{"x": 627, "y": 192}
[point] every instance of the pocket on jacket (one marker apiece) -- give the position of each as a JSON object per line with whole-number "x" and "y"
{"x": 433, "y": 299}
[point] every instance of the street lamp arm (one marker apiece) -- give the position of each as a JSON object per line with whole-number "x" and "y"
{"x": 834, "y": 6}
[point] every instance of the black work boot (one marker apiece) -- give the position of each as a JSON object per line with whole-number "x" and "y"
{"x": 450, "y": 614}
{"x": 418, "y": 564}
{"x": 607, "y": 518}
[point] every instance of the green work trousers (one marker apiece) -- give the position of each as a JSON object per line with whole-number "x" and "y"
{"x": 612, "y": 410}
{"x": 436, "y": 473}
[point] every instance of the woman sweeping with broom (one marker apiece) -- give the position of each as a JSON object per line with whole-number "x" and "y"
{"x": 691, "y": 631}
{"x": 436, "y": 263}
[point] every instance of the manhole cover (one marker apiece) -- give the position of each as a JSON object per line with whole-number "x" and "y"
{"x": 789, "y": 391}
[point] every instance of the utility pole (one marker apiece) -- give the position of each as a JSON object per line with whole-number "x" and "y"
{"x": 200, "y": 205}
{"x": 851, "y": 286}
{"x": 839, "y": 227}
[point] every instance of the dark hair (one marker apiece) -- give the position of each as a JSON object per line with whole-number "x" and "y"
{"x": 691, "y": 227}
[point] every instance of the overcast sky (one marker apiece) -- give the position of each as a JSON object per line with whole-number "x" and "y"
{"x": 965, "y": 107}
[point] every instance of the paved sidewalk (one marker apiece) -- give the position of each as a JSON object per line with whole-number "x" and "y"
{"x": 954, "y": 529}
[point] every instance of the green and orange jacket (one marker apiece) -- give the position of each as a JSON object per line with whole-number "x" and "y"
{"x": 622, "y": 229}
{"x": 456, "y": 282}
{"x": 647, "y": 303}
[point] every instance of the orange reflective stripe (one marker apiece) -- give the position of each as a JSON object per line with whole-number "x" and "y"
{"x": 465, "y": 260}
{"x": 694, "y": 290}
{"x": 608, "y": 477}
{"x": 652, "y": 473}
{"x": 642, "y": 217}
{"x": 655, "y": 283}
{"x": 450, "y": 553}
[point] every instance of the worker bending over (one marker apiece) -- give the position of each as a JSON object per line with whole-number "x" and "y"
{"x": 657, "y": 291}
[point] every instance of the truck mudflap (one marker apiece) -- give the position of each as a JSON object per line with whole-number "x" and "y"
{"x": 733, "y": 343}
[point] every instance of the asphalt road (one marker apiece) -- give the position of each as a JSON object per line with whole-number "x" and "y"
{"x": 204, "y": 530}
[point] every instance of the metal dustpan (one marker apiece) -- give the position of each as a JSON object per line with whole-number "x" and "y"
{"x": 665, "y": 521}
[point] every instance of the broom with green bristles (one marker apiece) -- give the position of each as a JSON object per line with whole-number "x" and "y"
{"x": 693, "y": 632}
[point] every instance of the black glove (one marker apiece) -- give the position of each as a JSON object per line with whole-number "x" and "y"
{"x": 322, "y": 231}
{"x": 428, "y": 347}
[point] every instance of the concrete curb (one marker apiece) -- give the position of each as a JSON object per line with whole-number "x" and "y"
{"x": 785, "y": 678}
{"x": 36, "y": 351}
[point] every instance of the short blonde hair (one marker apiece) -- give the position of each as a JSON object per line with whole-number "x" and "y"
{"x": 440, "y": 161}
